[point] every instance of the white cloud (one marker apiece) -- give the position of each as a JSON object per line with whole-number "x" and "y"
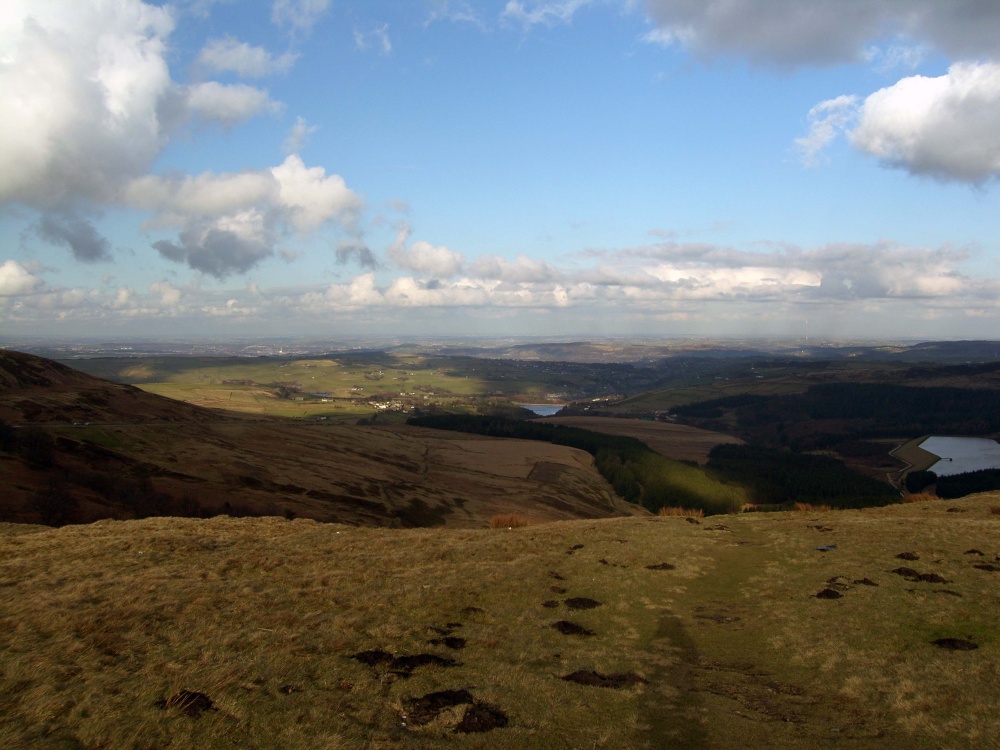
{"x": 169, "y": 294}
{"x": 82, "y": 85}
{"x": 228, "y": 104}
{"x": 229, "y": 55}
{"x": 379, "y": 34}
{"x": 298, "y": 15}
{"x": 176, "y": 198}
{"x": 946, "y": 127}
{"x": 298, "y": 136}
{"x": 457, "y": 11}
{"x": 826, "y": 121}
{"x": 547, "y": 12}
{"x": 896, "y": 56}
{"x": 428, "y": 259}
{"x": 15, "y": 280}
{"x": 313, "y": 198}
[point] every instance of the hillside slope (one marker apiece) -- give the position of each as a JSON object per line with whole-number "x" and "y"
{"x": 855, "y": 629}
{"x": 84, "y": 448}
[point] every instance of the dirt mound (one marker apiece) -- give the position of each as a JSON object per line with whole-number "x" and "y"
{"x": 482, "y": 717}
{"x": 571, "y": 628}
{"x": 955, "y": 644}
{"x": 582, "y": 602}
{"x": 189, "y": 702}
{"x": 402, "y": 666}
{"x": 828, "y": 594}
{"x": 478, "y": 717}
{"x": 423, "y": 710}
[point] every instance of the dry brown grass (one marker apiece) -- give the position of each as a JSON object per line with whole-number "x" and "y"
{"x": 102, "y": 625}
{"x": 509, "y": 521}
{"x": 919, "y": 497}
{"x": 685, "y": 512}
{"x": 809, "y": 507}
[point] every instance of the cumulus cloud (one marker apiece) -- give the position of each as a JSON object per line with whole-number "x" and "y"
{"x": 168, "y": 294}
{"x": 311, "y": 197}
{"x": 946, "y": 127}
{"x": 425, "y": 258}
{"x": 230, "y": 222}
{"x": 16, "y": 280}
{"x": 229, "y": 55}
{"x": 228, "y": 104}
{"x": 220, "y": 248}
{"x": 823, "y": 32}
{"x": 82, "y": 85}
{"x": 88, "y": 102}
{"x": 78, "y": 234}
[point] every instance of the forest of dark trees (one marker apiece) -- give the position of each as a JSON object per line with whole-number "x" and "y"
{"x": 782, "y": 478}
{"x": 830, "y": 413}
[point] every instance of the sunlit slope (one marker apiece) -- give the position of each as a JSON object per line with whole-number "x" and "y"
{"x": 871, "y": 629}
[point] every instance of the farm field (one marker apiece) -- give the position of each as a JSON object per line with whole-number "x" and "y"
{"x": 794, "y": 630}
{"x": 676, "y": 441}
{"x": 346, "y": 388}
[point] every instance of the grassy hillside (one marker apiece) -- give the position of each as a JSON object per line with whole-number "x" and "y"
{"x": 85, "y": 448}
{"x": 795, "y": 630}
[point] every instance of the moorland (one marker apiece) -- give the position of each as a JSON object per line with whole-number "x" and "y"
{"x": 379, "y": 548}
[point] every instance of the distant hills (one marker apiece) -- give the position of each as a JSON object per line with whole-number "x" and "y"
{"x": 77, "y": 448}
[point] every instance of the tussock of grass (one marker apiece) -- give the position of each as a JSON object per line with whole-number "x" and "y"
{"x": 810, "y": 507}
{"x": 114, "y": 634}
{"x": 919, "y": 497}
{"x": 685, "y": 512}
{"x": 509, "y": 521}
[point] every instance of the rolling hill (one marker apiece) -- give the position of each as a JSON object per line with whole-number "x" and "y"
{"x": 79, "y": 448}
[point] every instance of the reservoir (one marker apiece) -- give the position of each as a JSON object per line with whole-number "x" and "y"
{"x": 960, "y": 454}
{"x": 542, "y": 410}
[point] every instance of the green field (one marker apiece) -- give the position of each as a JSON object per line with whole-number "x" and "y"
{"x": 346, "y": 387}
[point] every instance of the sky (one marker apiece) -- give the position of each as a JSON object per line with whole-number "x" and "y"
{"x": 500, "y": 168}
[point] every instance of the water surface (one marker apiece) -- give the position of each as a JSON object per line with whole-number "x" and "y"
{"x": 961, "y": 454}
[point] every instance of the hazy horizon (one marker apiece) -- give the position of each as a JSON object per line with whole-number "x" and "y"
{"x": 508, "y": 168}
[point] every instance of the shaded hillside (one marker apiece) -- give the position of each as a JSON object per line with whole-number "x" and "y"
{"x": 37, "y": 390}
{"x": 76, "y": 448}
{"x": 866, "y": 630}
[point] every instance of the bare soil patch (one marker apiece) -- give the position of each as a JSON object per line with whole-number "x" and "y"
{"x": 955, "y": 644}
{"x": 582, "y": 602}
{"x": 571, "y": 628}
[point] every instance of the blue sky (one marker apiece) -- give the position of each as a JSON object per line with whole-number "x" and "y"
{"x": 504, "y": 167}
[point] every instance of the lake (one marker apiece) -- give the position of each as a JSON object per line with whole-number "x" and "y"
{"x": 543, "y": 410}
{"x": 960, "y": 454}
